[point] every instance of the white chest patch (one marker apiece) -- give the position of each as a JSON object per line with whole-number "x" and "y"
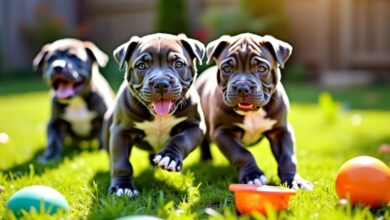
{"x": 254, "y": 124}
{"x": 79, "y": 117}
{"x": 157, "y": 132}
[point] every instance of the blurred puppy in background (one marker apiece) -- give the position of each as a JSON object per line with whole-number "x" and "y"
{"x": 80, "y": 95}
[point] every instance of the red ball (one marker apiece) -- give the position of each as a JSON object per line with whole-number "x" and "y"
{"x": 364, "y": 180}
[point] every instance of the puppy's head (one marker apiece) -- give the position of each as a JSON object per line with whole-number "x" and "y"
{"x": 67, "y": 65}
{"x": 159, "y": 69}
{"x": 248, "y": 68}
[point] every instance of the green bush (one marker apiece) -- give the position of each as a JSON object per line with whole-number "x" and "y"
{"x": 255, "y": 16}
{"x": 171, "y": 16}
{"x": 272, "y": 11}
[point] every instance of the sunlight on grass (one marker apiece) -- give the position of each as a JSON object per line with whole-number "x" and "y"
{"x": 83, "y": 176}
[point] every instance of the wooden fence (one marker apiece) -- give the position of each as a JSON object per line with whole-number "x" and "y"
{"x": 326, "y": 34}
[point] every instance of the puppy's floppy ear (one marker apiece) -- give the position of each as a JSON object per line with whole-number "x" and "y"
{"x": 39, "y": 59}
{"x": 214, "y": 48}
{"x": 194, "y": 47}
{"x": 124, "y": 51}
{"x": 100, "y": 57}
{"x": 280, "y": 49}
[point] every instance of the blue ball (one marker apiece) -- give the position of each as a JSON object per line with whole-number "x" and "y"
{"x": 35, "y": 197}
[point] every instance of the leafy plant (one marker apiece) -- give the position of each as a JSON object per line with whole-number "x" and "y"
{"x": 256, "y": 16}
{"x": 46, "y": 28}
{"x": 171, "y": 16}
{"x": 329, "y": 107}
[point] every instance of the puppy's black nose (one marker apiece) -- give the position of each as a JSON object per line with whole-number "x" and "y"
{"x": 161, "y": 85}
{"x": 58, "y": 69}
{"x": 243, "y": 90}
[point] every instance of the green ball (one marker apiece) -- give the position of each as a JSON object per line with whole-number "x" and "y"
{"x": 35, "y": 197}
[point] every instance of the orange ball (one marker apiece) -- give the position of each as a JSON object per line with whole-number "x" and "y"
{"x": 364, "y": 180}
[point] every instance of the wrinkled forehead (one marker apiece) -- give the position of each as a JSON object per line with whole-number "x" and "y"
{"x": 244, "y": 49}
{"x": 159, "y": 47}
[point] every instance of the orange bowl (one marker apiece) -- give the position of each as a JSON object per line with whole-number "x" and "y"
{"x": 252, "y": 198}
{"x": 364, "y": 180}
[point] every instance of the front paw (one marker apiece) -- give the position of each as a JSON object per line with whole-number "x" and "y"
{"x": 299, "y": 183}
{"x": 48, "y": 157}
{"x": 123, "y": 189}
{"x": 256, "y": 178}
{"x": 168, "y": 161}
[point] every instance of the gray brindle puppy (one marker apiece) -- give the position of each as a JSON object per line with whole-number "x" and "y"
{"x": 157, "y": 107}
{"x": 243, "y": 100}
{"x": 80, "y": 95}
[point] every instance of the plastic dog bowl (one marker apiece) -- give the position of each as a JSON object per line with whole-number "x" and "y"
{"x": 251, "y": 198}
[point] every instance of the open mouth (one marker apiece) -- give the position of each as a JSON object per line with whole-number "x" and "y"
{"x": 243, "y": 106}
{"x": 163, "y": 107}
{"x": 66, "y": 89}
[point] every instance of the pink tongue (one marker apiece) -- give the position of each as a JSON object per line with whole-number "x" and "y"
{"x": 245, "y": 106}
{"x": 64, "y": 90}
{"x": 162, "y": 107}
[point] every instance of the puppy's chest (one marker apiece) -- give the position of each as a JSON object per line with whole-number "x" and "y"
{"x": 79, "y": 117}
{"x": 254, "y": 125}
{"x": 157, "y": 132}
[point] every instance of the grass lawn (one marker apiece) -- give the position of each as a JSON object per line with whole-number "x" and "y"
{"x": 324, "y": 141}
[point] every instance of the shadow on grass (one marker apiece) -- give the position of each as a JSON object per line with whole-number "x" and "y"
{"x": 32, "y": 165}
{"x": 154, "y": 195}
{"x": 20, "y": 86}
{"x": 208, "y": 188}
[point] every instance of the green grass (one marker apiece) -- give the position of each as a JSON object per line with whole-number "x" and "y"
{"x": 82, "y": 176}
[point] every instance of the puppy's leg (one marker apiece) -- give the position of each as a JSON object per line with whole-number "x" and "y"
{"x": 55, "y": 135}
{"x": 178, "y": 147}
{"x": 106, "y": 130}
{"x": 121, "y": 169}
{"x": 229, "y": 143}
{"x": 283, "y": 147}
{"x": 205, "y": 153}
{"x": 151, "y": 159}
{"x": 99, "y": 125}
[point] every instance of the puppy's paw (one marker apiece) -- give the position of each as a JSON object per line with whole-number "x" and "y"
{"x": 47, "y": 158}
{"x": 126, "y": 192}
{"x": 258, "y": 179}
{"x": 300, "y": 183}
{"x": 123, "y": 190}
{"x": 168, "y": 162}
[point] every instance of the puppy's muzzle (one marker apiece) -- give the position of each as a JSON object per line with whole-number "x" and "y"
{"x": 244, "y": 95}
{"x": 160, "y": 85}
{"x": 161, "y": 94}
{"x": 66, "y": 82}
{"x": 243, "y": 90}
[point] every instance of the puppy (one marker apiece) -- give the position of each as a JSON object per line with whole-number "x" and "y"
{"x": 157, "y": 108}
{"x": 80, "y": 95}
{"x": 243, "y": 99}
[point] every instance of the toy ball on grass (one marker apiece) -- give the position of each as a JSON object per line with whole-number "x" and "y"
{"x": 384, "y": 149}
{"x": 252, "y": 198}
{"x": 37, "y": 197}
{"x": 364, "y": 180}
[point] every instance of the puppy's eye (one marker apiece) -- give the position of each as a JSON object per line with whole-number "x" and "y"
{"x": 51, "y": 58}
{"x": 179, "y": 64}
{"x": 141, "y": 66}
{"x": 73, "y": 56}
{"x": 262, "y": 68}
{"x": 227, "y": 69}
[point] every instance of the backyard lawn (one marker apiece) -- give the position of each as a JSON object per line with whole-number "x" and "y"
{"x": 327, "y": 135}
